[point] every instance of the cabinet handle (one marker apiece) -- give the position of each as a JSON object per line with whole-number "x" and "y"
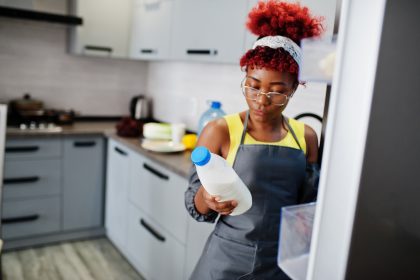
{"x": 121, "y": 152}
{"x": 21, "y": 219}
{"x": 79, "y": 144}
{"x": 22, "y": 149}
{"x": 98, "y": 49}
{"x": 155, "y": 172}
{"x": 148, "y": 51}
{"x": 152, "y": 231}
{"x": 201, "y": 52}
{"x": 21, "y": 180}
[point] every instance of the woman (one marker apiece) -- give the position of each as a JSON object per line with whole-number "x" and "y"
{"x": 272, "y": 154}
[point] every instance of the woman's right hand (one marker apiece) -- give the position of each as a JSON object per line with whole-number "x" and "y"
{"x": 212, "y": 202}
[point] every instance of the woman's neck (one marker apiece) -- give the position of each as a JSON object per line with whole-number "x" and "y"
{"x": 269, "y": 125}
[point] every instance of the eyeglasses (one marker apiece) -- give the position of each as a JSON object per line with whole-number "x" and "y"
{"x": 276, "y": 98}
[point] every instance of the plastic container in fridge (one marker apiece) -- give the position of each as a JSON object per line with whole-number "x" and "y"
{"x": 295, "y": 239}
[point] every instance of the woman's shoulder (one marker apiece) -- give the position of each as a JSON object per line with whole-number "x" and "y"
{"x": 303, "y": 128}
{"x": 215, "y": 136}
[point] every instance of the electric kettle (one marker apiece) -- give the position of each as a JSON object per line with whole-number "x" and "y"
{"x": 140, "y": 107}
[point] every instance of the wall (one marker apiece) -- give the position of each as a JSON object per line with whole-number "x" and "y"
{"x": 33, "y": 58}
{"x": 180, "y": 91}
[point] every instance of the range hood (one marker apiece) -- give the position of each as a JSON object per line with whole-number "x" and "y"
{"x": 32, "y": 10}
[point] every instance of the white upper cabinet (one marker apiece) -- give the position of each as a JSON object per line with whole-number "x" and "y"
{"x": 250, "y": 38}
{"x": 151, "y": 29}
{"x": 106, "y": 28}
{"x": 209, "y": 30}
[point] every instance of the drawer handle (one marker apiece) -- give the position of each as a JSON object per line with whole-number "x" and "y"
{"x": 121, "y": 152}
{"x": 152, "y": 231}
{"x": 155, "y": 172}
{"x": 21, "y": 180}
{"x": 98, "y": 48}
{"x": 22, "y": 219}
{"x": 83, "y": 144}
{"x": 201, "y": 52}
{"x": 22, "y": 149}
{"x": 148, "y": 51}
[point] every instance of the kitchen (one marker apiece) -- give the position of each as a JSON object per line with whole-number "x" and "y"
{"x": 109, "y": 200}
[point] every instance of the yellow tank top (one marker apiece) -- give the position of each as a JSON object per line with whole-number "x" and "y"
{"x": 236, "y": 127}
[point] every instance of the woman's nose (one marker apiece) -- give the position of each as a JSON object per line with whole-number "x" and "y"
{"x": 263, "y": 99}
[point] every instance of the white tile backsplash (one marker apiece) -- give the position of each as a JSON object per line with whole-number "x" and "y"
{"x": 33, "y": 59}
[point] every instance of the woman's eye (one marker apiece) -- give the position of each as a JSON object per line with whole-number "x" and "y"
{"x": 279, "y": 91}
{"x": 253, "y": 89}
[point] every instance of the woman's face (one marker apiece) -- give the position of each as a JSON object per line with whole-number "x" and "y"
{"x": 264, "y": 108}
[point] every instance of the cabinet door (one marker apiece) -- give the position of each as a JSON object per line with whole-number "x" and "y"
{"x": 106, "y": 28}
{"x": 83, "y": 184}
{"x": 250, "y": 38}
{"x": 160, "y": 194}
{"x": 151, "y": 29}
{"x": 154, "y": 252}
{"x": 209, "y": 30}
{"x": 118, "y": 165}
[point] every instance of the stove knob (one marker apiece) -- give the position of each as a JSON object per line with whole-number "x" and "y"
{"x": 32, "y": 125}
{"x": 23, "y": 126}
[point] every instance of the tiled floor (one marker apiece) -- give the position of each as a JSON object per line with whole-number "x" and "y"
{"x": 86, "y": 260}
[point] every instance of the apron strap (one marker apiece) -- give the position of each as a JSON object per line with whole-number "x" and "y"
{"x": 291, "y": 131}
{"x": 287, "y": 124}
{"x": 245, "y": 126}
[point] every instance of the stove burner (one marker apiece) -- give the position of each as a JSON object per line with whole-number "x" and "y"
{"x": 34, "y": 126}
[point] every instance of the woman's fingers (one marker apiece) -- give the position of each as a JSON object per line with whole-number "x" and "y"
{"x": 221, "y": 207}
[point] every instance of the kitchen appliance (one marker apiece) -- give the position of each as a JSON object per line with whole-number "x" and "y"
{"x": 30, "y": 113}
{"x": 140, "y": 108}
{"x": 39, "y": 10}
{"x": 3, "y": 115}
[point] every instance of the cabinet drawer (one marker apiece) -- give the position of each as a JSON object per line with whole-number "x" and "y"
{"x": 30, "y": 217}
{"x": 31, "y": 178}
{"x": 32, "y": 148}
{"x": 160, "y": 194}
{"x": 151, "y": 248}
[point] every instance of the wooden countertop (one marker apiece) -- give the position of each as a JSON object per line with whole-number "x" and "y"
{"x": 178, "y": 163}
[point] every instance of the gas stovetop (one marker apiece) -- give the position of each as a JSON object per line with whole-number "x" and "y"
{"x": 36, "y": 127}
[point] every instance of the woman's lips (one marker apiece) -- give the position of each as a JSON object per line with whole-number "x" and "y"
{"x": 259, "y": 112}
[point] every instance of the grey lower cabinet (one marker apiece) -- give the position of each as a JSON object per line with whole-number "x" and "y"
{"x": 146, "y": 217}
{"x": 53, "y": 189}
{"x": 83, "y": 182}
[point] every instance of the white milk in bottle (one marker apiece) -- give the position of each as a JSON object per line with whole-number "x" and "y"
{"x": 219, "y": 179}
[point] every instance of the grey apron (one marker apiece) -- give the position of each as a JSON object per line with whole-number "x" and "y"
{"x": 245, "y": 246}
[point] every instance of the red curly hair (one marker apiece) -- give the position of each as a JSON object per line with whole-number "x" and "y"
{"x": 273, "y": 18}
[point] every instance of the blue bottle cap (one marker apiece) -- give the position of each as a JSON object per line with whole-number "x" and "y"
{"x": 216, "y": 104}
{"x": 200, "y": 156}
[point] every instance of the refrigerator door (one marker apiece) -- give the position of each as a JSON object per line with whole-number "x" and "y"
{"x": 3, "y": 115}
